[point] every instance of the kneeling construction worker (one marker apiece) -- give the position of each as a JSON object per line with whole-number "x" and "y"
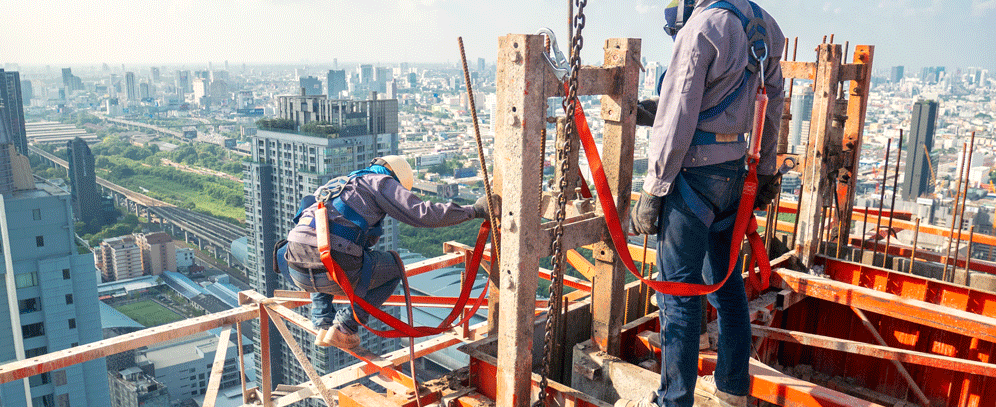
{"x": 690, "y": 198}
{"x": 356, "y": 205}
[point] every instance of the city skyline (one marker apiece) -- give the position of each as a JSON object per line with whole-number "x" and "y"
{"x": 185, "y": 31}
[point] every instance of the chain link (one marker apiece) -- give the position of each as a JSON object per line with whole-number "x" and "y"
{"x": 563, "y": 159}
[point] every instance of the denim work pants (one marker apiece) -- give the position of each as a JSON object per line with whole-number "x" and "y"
{"x": 691, "y": 251}
{"x": 384, "y": 279}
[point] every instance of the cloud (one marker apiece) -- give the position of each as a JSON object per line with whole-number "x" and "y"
{"x": 643, "y": 7}
{"x": 981, "y": 7}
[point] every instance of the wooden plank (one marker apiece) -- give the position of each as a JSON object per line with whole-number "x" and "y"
{"x": 521, "y": 117}
{"x": 798, "y": 70}
{"x": 857, "y": 106}
{"x": 815, "y": 177}
{"x": 592, "y": 80}
{"x": 619, "y": 112}
{"x": 87, "y": 352}
{"x": 218, "y": 367}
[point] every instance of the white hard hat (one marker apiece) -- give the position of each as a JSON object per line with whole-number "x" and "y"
{"x": 400, "y": 167}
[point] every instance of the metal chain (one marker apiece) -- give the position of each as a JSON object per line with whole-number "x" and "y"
{"x": 563, "y": 159}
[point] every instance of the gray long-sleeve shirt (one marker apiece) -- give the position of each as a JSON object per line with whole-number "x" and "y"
{"x": 708, "y": 62}
{"x": 374, "y": 196}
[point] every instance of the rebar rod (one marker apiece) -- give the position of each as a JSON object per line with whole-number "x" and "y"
{"x": 881, "y": 200}
{"x": 916, "y": 236}
{"x": 954, "y": 213}
{"x": 892, "y": 206}
{"x": 864, "y": 232}
{"x": 968, "y": 253}
{"x": 964, "y": 198}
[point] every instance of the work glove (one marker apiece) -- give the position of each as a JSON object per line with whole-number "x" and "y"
{"x": 646, "y": 110}
{"x": 767, "y": 189}
{"x": 643, "y": 217}
{"x": 481, "y": 206}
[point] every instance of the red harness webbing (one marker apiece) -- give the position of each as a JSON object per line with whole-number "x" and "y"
{"x": 745, "y": 221}
{"x": 400, "y": 328}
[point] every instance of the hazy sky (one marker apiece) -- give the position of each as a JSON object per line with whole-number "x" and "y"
{"x": 915, "y": 33}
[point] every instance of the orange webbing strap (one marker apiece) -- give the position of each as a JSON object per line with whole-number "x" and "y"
{"x": 399, "y": 328}
{"x": 745, "y": 221}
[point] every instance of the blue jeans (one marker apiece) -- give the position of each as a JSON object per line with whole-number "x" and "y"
{"x": 385, "y": 276}
{"x": 692, "y": 251}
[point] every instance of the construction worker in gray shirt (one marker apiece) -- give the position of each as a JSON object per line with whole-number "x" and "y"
{"x": 690, "y": 197}
{"x": 356, "y": 205}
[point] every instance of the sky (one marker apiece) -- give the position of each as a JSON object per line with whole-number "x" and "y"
{"x": 914, "y": 33}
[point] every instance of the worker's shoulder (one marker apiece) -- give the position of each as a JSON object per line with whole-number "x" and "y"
{"x": 374, "y": 181}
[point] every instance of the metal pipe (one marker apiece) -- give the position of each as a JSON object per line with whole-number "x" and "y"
{"x": 899, "y": 366}
{"x": 892, "y": 206}
{"x": 916, "y": 236}
{"x": 881, "y": 199}
{"x": 968, "y": 254}
{"x": 954, "y": 213}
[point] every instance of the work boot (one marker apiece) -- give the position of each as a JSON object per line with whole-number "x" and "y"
{"x": 322, "y": 337}
{"x": 708, "y": 395}
{"x": 341, "y": 339}
{"x": 644, "y": 402}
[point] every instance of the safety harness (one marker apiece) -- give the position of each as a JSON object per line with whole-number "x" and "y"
{"x": 745, "y": 224}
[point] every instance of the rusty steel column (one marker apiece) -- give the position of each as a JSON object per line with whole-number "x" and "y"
{"x": 816, "y": 186}
{"x": 619, "y": 112}
{"x": 857, "y": 107}
{"x": 519, "y": 122}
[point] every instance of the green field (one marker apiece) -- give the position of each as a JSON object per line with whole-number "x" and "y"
{"x": 149, "y": 313}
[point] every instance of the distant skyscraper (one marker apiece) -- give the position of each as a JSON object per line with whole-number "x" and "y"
{"x": 245, "y": 100}
{"x": 896, "y": 74}
{"x": 131, "y": 88}
{"x": 366, "y": 74}
{"x": 312, "y": 86}
{"x": 155, "y": 74}
{"x": 202, "y": 89}
{"x": 274, "y": 188}
{"x": 71, "y": 82}
{"x": 144, "y": 91}
{"x": 183, "y": 83}
{"x": 12, "y": 111}
{"x": 85, "y": 196}
{"x": 336, "y": 82}
{"x": 921, "y": 136}
{"x": 481, "y": 67}
{"x": 802, "y": 113}
{"x": 51, "y": 293}
{"x": 27, "y": 92}
{"x": 412, "y": 80}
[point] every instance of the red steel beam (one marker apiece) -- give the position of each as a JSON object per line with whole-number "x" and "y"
{"x": 917, "y": 311}
{"x": 927, "y": 229}
{"x": 925, "y": 255}
{"x": 881, "y": 352}
{"x": 911, "y": 286}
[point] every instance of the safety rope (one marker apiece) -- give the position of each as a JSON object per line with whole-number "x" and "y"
{"x": 399, "y": 328}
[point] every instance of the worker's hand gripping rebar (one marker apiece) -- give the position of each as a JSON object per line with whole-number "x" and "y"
{"x": 563, "y": 159}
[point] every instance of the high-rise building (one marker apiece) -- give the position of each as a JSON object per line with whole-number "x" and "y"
{"x": 51, "y": 293}
{"x": 802, "y": 113}
{"x": 481, "y": 66}
{"x": 86, "y": 199}
{"x": 12, "y": 111}
{"x": 284, "y": 168}
{"x": 154, "y": 72}
{"x": 311, "y": 85}
{"x": 183, "y": 83}
{"x": 412, "y": 80}
{"x": 158, "y": 252}
{"x": 131, "y": 387}
{"x": 71, "y": 82}
{"x": 896, "y": 74}
{"x": 202, "y": 89}
{"x": 245, "y": 100}
{"x": 144, "y": 91}
{"x": 27, "y": 92}
{"x": 366, "y": 74}
{"x": 921, "y": 136}
{"x": 131, "y": 88}
{"x": 119, "y": 258}
{"x": 336, "y": 83}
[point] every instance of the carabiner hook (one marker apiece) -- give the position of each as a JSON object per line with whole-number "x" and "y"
{"x": 760, "y": 63}
{"x": 558, "y": 62}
